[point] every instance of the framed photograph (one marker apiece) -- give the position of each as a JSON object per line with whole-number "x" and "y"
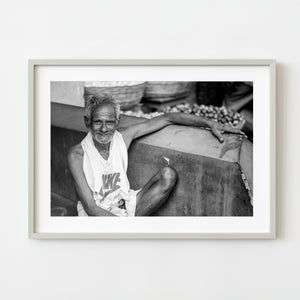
{"x": 152, "y": 149}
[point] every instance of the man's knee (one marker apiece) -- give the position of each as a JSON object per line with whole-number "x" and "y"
{"x": 169, "y": 176}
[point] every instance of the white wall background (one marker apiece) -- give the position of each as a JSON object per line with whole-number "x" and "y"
{"x": 238, "y": 29}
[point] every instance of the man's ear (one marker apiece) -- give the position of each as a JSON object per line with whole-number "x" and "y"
{"x": 87, "y": 121}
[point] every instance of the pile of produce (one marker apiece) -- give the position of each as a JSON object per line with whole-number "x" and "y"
{"x": 141, "y": 114}
{"x": 218, "y": 114}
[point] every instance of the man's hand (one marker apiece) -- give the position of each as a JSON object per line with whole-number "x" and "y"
{"x": 218, "y": 129}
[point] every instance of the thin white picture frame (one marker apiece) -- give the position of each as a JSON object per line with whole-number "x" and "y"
{"x": 35, "y": 233}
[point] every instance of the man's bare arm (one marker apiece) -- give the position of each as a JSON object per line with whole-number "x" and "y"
{"x": 75, "y": 159}
{"x": 157, "y": 123}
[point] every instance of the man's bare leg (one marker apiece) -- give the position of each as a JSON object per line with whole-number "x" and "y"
{"x": 155, "y": 192}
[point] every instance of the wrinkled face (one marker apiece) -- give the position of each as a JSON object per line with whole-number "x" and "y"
{"x": 103, "y": 124}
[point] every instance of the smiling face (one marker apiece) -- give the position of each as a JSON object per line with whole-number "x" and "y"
{"x": 103, "y": 123}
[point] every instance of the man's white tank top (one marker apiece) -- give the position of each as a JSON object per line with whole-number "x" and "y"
{"x": 107, "y": 178}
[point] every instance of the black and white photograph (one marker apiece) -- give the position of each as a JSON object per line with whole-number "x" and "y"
{"x": 152, "y": 148}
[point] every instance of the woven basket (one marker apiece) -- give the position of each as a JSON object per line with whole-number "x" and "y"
{"x": 162, "y": 91}
{"x": 126, "y": 95}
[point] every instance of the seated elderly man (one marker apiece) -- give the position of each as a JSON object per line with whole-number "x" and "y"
{"x": 99, "y": 163}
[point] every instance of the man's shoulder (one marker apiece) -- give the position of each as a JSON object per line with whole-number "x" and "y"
{"x": 75, "y": 154}
{"x": 123, "y": 130}
{"x": 127, "y": 135}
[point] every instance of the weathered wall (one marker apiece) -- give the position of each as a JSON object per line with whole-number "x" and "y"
{"x": 67, "y": 92}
